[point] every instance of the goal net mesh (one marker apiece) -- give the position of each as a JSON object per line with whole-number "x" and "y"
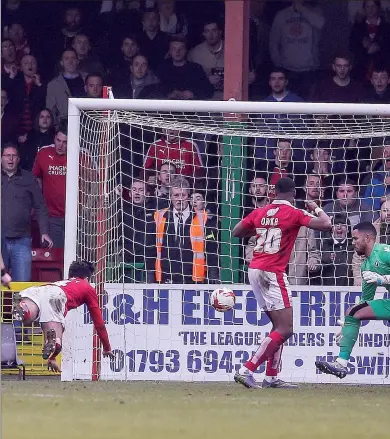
{"x": 229, "y": 164}
{"x": 160, "y": 193}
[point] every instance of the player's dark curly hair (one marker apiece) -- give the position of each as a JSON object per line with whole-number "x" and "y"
{"x": 82, "y": 269}
{"x": 284, "y": 186}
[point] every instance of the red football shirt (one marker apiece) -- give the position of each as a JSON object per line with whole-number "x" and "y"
{"x": 51, "y": 169}
{"x": 183, "y": 154}
{"x": 277, "y": 226}
{"x": 79, "y": 292}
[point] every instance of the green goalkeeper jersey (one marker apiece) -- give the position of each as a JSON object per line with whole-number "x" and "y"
{"x": 378, "y": 262}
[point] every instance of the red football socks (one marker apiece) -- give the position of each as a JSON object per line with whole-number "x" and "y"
{"x": 273, "y": 363}
{"x": 266, "y": 350}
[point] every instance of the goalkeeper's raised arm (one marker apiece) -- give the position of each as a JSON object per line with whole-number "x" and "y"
{"x": 375, "y": 272}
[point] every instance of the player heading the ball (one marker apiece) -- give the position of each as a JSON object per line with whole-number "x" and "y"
{"x": 49, "y": 304}
{"x": 375, "y": 272}
{"x": 276, "y": 227}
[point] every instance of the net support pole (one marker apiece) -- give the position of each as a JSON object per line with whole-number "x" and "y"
{"x": 71, "y": 216}
{"x": 235, "y": 88}
{"x": 101, "y": 243}
{"x": 72, "y": 187}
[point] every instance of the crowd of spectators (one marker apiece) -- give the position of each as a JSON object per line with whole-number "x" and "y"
{"x": 170, "y": 204}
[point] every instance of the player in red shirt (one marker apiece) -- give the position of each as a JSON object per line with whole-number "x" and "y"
{"x": 183, "y": 153}
{"x": 49, "y": 304}
{"x": 276, "y": 227}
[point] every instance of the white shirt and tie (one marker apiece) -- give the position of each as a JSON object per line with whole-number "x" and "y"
{"x": 179, "y": 219}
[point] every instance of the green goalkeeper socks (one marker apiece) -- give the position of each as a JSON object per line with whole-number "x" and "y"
{"x": 349, "y": 335}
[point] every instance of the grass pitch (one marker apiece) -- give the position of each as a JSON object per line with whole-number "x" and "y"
{"x": 47, "y": 409}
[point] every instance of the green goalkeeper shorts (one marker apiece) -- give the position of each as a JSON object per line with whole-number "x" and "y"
{"x": 381, "y": 308}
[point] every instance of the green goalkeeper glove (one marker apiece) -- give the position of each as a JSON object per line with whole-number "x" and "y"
{"x": 374, "y": 278}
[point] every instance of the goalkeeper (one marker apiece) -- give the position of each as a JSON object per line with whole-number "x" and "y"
{"x": 375, "y": 272}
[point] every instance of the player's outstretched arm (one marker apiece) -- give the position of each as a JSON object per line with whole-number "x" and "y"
{"x": 101, "y": 329}
{"x": 322, "y": 222}
{"x": 98, "y": 321}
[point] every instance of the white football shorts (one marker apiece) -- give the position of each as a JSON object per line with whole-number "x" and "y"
{"x": 272, "y": 290}
{"x": 51, "y": 301}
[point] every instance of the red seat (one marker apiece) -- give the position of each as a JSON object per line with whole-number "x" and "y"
{"x": 47, "y": 264}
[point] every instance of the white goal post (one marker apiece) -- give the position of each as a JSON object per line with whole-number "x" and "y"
{"x": 168, "y": 332}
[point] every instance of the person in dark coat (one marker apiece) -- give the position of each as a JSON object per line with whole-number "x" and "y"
{"x": 336, "y": 253}
{"x": 27, "y": 94}
{"x": 41, "y": 135}
{"x": 182, "y": 243}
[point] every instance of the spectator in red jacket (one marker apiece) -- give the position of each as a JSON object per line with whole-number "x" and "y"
{"x": 172, "y": 148}
{"x": 50, "y": 169}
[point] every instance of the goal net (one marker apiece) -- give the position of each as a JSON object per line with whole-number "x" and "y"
{"x": 154, "y": 190}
